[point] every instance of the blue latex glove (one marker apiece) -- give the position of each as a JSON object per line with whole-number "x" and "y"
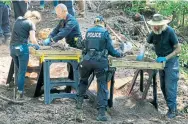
{"x": 140, "y": 57}
{"x": 161, "y": 59}
{"x": 47, "y": 41}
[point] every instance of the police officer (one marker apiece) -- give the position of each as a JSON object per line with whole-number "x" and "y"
{"x": 98, "y": 45}
{"x": 67, "y": 28}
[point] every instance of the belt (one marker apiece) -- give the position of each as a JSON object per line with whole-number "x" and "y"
{"x": 93, "y": 52}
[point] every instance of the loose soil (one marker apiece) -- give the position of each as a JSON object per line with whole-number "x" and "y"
{"x": 126, "y": 109}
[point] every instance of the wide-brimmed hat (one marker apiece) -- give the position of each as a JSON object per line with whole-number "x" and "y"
{"x": 158, "y": 20}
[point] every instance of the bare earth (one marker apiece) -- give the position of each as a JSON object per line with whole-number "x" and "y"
{"x": 126, "y": 109}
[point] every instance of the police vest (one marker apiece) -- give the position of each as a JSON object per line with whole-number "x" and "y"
{"x": 95, "y": 39}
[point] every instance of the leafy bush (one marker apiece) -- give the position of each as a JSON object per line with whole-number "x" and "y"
{"x": 184, "y": 55}
{"x": 136, "y": 7}
{"x": 177, "y": 8}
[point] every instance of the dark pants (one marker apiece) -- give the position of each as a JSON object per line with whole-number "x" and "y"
{"x": 99, "y": 68}
{"x": 169, "y": 78}
{"x": 4, "y": 20}
{"x": 69, "y": 5}
{"x": 20, "y": 8}
{"x": 70, "y": 76}
{"x": 20, "y": 55}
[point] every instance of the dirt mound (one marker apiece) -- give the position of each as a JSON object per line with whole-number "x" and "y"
{"x": 126, "y": 110}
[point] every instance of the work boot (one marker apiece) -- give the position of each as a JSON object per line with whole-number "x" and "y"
{"x": 79, "y": 102}
{"x": 171, "y": 114}
{"x": 21, "y": 97}
{"x": 101, "y": 115}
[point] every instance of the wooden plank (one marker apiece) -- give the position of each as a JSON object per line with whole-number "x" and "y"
{"x": 136, "y": 64}
{"x": 50, "y": 52}
{"x": 126, "y": 58}
{"x": 128, "y": 62}
{"x": 131, "y": 58}
{"x": 121, "y": 82}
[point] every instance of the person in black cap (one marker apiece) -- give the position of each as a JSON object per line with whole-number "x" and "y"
{"x": 98, "y": 45}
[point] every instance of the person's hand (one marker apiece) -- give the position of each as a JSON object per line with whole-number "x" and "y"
{"x": 140, "y": 57}
{"x": 47, "y": 42}
{"x": 122, "y": 55}
{"x": 125, "y": 47}
{"x": 161, "y": 59}
{"x": 35, "y": 46}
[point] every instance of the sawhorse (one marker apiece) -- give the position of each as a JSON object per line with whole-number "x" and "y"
{"x": 152, "y": 79}
{"x": 49, "y": 83}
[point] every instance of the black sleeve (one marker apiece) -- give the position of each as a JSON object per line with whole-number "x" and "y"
{"x": 150, "y": 38}
{"x": 56, "y": 29}
{"x": 32, "y": 26}
{"x": 173, "y": 37}
{"x": 64, "y": 31}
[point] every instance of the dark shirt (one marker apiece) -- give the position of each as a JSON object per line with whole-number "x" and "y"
{"x": 20, "y": 32}
{"x": 68, "y": 29}
{"x": 98, "y": 38}
{"x": 164, "y": 42}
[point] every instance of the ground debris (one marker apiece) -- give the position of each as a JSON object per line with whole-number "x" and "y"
{"x": 126, "y": 110}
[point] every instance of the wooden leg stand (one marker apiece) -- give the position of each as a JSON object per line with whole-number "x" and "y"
{"x": 152, "y": 79}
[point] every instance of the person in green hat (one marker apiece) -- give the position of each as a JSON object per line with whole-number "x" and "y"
{"x": 167, "y": 48}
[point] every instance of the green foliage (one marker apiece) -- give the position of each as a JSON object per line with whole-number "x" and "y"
{"x": 184, "y": 55}
{"x": 136, "y": 7}
{"x": 184, "y": 71}
{"x": 167, "y": 7}
{"x": 7, "y": 2}
{"x": 177, "y": 8}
